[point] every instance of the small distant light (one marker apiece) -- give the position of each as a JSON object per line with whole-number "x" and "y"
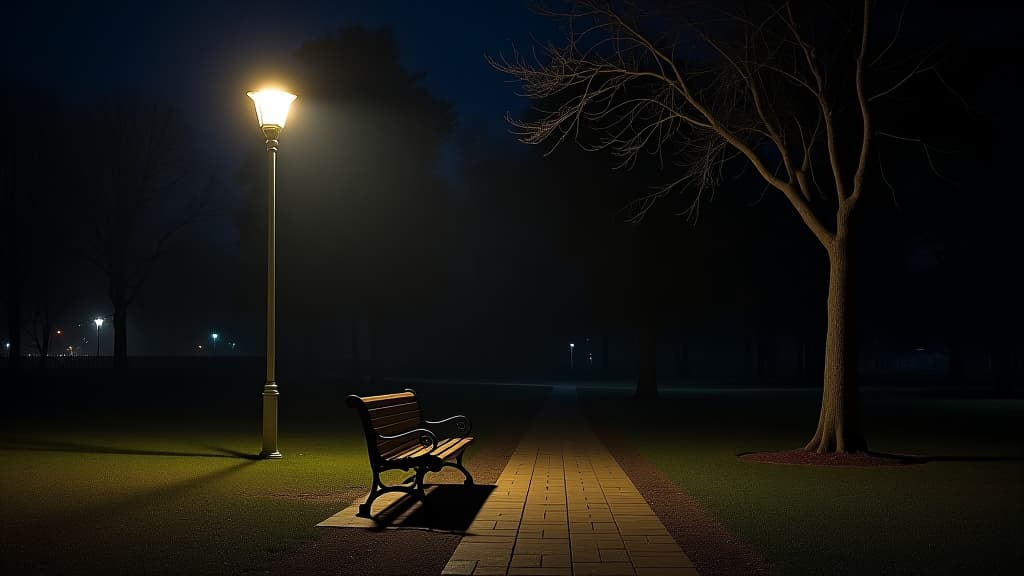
{"x": 572, "y": 344}
{"x": 200, "y": 346}
{"x": 59, "y": 332}
{"x": 919, "y": 349}
{"x": 214, "y": 335}
{"x": 7, "y": 345}
{"x": 99, "y": 322}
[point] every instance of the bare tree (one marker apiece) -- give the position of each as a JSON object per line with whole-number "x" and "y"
{"x": 791, "y": 95}
{"x": 139, "y": 197}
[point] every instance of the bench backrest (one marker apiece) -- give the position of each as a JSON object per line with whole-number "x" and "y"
{"x": 388, "y": 415}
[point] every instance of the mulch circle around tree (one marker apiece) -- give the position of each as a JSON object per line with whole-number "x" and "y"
{"x": 801, "y": 457}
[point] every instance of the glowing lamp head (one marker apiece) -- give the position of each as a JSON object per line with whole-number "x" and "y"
{"x": 271, "y": 107}
{"x": 572, "y": 344}
{"x": 99, "y": 322}
{"x": 214, "y": 335}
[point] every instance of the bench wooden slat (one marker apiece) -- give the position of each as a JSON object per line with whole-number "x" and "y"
{"x": 453, "y": 448}
{"x": 388, "y": 448}
{"x": 393, "y": 409}
{"x": 385, "y": 398}
{"x": 388, "y": 419}
{"x": 418, "y": 451}
{"x": 398, "y": 426}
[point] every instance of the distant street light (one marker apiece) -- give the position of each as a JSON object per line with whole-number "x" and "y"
{"x": 214, "y": 337}
{"x": 271, "y": 113}
{"x": 99, "y": 322}
{"x": 572, "y": 349}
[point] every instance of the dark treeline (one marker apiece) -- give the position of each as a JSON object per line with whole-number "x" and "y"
{"x": 411, "y": 245}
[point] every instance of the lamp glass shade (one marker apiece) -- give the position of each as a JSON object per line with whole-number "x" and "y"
{"x": 99, "y": 322}
{"x": 271, "y": 106}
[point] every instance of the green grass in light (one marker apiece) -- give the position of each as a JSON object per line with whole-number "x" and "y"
{"x": 176, "y": 499}
{"x": 964, "y": 515}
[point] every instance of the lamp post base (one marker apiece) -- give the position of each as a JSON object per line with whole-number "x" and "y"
{"x": 270, "y": 396}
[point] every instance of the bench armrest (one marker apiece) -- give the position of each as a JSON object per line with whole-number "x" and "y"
{"x": 462, "y": 424}
{"x": 426, "y": 437}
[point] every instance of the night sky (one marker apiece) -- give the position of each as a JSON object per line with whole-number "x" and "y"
{"x": 204, "y": 56}
{"x": 207, "y": 54}
{"x": 533, "y": 273}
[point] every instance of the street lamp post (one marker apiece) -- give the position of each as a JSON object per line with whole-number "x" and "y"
{"x": 572, "y": 359}
{"x": 214, "y": 336}
{"x": 271, "y": 113}
{"x": 99, "y": 322}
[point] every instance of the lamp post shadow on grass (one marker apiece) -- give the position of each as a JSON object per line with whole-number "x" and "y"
{"x": 84, "y": 517}
{"x": 32, "y": 445}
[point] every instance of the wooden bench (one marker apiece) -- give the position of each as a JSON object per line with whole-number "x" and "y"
{"x": 398, "y": 438}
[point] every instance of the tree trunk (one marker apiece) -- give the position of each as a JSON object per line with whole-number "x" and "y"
{"x": 44, "y": 346}
{"x": 120, "y": 332}
{"x": 839, "y": 419}
{"x": 119, "y": 299}
{"x": 646, "y": 383}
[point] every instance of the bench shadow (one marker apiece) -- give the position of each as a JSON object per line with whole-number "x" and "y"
{"x": 30, "y": 445}
{"x": 448, "y": 508}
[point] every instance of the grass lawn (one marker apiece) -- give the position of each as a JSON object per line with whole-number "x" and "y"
{"x": 960, "y": 514}
{"x": 183, "y": 496}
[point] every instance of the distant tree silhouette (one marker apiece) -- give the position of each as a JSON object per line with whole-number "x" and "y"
{"x": 790, "y": 94}
{"x": 137, "y": 195}
{"x": 37, "y": 228}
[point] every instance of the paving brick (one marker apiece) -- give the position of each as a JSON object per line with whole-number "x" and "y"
{"x": 564, "y": 506}
{"x": 550, "y": 571}
{"x": 489, "y": 571}
{"x": 541, "y": 546}
{"x": 602, "y": 569}
{"x": 555, "y": 561}
{"x": 459, "y": 567}
{"x": 525, "y": 560}
{"x": 614, "y": 556}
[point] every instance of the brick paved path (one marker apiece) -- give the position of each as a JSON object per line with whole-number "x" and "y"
{"x": 563, "y": 506}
